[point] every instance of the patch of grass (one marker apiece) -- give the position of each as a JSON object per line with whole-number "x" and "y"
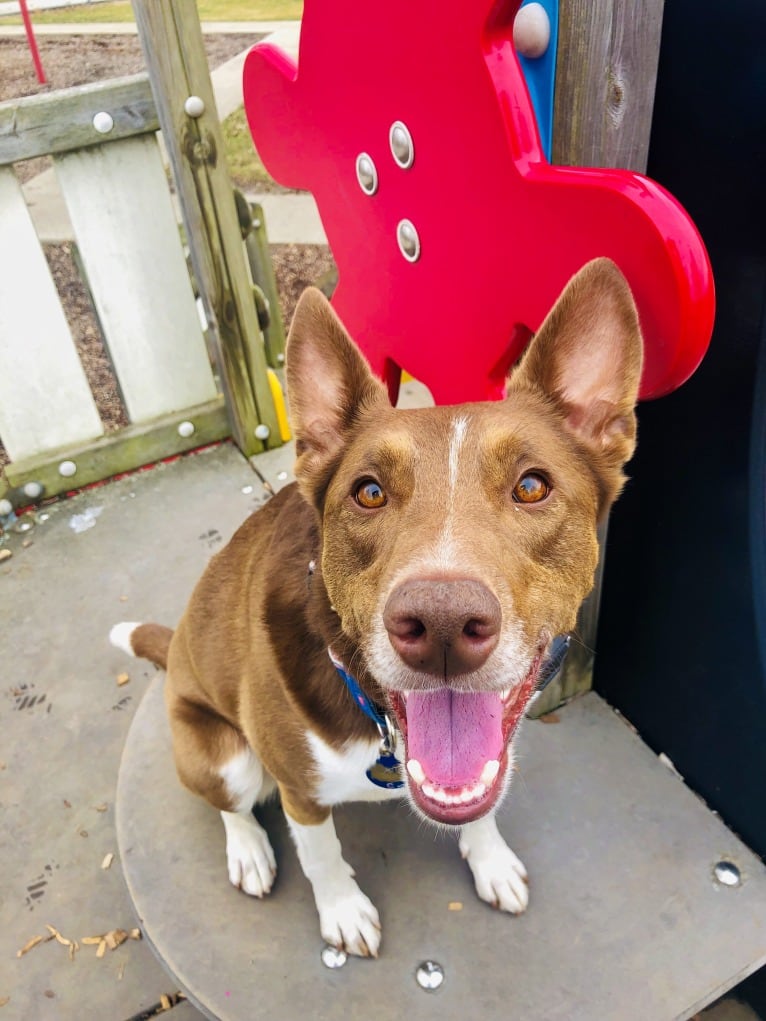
{"x": 250, "y": 10}
{"x": 245, "y": 167}
{"x": 209, "y": 10}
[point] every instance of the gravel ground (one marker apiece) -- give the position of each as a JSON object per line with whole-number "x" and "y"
{"x": 79, "y": 60}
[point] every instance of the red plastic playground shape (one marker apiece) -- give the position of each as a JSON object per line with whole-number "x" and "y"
{"x": 499, "y": 230}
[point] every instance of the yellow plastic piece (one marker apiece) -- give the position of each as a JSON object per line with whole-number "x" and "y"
{"x": 279, "y": 405}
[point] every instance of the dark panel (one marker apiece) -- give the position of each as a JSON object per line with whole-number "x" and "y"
{"x": 684, "y": 602}
{"x": 678, "y": 645}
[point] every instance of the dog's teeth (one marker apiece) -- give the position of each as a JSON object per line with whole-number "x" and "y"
{"x": 490, "y": 771}
{"x": 416, "y": 771}
{"x": 505, "y": 695}
{"x": 429, "y": 790}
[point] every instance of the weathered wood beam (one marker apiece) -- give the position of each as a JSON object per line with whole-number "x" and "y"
{"x": 606, "y": 71}
{"x": 61, "y": 121}
{"x": 119, "y": 452}
{"x": 171, "y": 38}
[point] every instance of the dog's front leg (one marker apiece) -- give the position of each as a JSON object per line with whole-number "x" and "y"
{"x": 347, "y": 918}
{"x": 500, "y": 878}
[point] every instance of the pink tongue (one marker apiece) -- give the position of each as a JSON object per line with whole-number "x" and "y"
{"x": 453, "y": 735}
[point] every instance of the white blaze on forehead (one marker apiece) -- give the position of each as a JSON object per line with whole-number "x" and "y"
{"x": 457, "y": 437}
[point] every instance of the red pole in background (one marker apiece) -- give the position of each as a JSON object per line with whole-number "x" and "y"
{"x": 32, "y": 42}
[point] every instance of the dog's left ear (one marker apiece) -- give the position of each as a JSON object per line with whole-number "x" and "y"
{"x": 586, "y": 358}
{"x": 329, "y": 386}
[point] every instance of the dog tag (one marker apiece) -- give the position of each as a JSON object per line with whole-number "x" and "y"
{"x": 386, "y": 772}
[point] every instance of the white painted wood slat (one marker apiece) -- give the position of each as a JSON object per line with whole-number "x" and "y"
{"x": 119, "y": 203}
{"x": 45, "y": 400}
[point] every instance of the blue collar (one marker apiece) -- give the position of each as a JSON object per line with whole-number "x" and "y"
{"x": 368, "y": 707}
{"x": 386, "y": 770}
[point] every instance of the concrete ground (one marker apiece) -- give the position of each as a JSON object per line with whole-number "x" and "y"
{"x": 131, "y": 549}
{"x": 66, "y": 706}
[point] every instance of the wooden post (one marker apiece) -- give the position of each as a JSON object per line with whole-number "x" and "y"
{"x": 171, "y": 37}
{"x": 606, "y": 71}
{"x": 257, "y": 247}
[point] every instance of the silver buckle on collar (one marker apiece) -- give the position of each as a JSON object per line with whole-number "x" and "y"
{"x": 387, "y": 735}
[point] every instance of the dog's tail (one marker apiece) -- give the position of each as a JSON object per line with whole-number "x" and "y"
{"x": 146, "y": 641}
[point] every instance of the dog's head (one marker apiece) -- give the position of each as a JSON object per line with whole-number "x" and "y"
{"x": 458, "y": 541}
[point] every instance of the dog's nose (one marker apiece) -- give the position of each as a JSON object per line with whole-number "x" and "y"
{"x": 445, "y": 627}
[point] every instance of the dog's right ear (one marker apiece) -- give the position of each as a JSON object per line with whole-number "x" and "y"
{"x": 329, "y": 386}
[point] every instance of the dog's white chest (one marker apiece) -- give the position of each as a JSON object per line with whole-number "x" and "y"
{"x": 342, "y": 774}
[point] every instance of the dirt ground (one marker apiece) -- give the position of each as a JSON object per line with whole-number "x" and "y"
{"x": 80, "y": 60}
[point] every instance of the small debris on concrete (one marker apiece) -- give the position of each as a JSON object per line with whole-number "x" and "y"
{"x": 83, "y": 833}
{"x": 102, "y": 807}
{"x": 87, "y": 519}
{"x": 4, "y": 1000}
{"x": 5, "y": 554}
{"x": 30, "y": 945}
{"x": 72, "y": 944}
{"x": 123, "y": 599}
{"x": 108, "y": 859}
{"x": 550, "y": 718}
{"x": 110, "y": 940}
{"x": 122, "y": 679}
{"x": 67, "y": 804}
{"x": 455, "y": 905}
{"x": 120, "y": 971}
{"x": 668, "y": 764}
{"x": 50, "y": 994}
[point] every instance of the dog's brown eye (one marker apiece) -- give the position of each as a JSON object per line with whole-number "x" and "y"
{"x": 531, "y": 488}
{"x": 370, "y": 495}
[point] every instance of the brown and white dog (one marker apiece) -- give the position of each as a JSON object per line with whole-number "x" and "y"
{"x": 436, "y": 553}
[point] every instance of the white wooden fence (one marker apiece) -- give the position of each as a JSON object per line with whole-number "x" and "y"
{"x": 108, "y": 163}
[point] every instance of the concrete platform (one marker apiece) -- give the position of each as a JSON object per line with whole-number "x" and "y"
{"x": 626, "y": 920}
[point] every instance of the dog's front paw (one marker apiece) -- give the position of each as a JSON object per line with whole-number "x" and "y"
{"x": 350, "y": 921}
{"x": 499, "y": 876}
{"x": 501, "y": 880}
{"x": 249, "y": 855}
